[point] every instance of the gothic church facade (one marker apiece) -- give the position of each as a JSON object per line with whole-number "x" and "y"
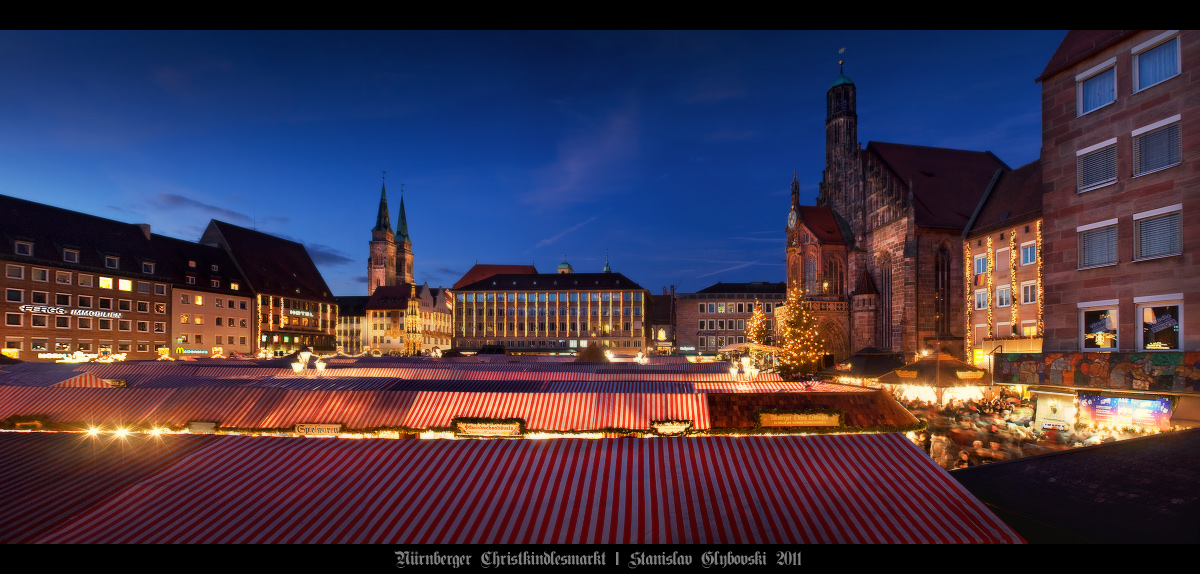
{"x": 879, "y": 258}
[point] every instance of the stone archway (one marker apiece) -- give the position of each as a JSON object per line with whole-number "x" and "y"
{"x": 836, "y": 341}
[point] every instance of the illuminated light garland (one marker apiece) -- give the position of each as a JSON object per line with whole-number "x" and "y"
{"x": 991, "y": 267}
{"x": 803, "y": 348}
{"x": 969, "y": 267}
{"x": 1013, "y": 311}
{"x": 1041, "y": 327}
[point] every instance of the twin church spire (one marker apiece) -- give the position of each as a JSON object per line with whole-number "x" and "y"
{"x": 391, "y": 261}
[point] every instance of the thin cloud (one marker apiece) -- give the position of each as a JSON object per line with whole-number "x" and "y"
{"x": 175, "y": 201}
{"x": 587, "y": 161}
{"x": 325, "y": 255}
{"x": 550, "y": 240}
{"x": 727, "y": 269}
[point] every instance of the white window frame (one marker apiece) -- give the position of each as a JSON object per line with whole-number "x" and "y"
{"x": 1138, "y": 218}
{"x": 71, "y": 255}
{"x": 1107, "y": 304}
{"x": 112, "y": 262}
{"x": 8, "y": 271}
{"x": 20, "y": 320}
{"x": 1026, "y": 245}
{"x": 1090, "y": 153}
{"x": 981, "y": 295}
{"x": 1024, "y": 290}
{"x": 1102, "y": 67}
{"x": 1027, "y": 325}
{"x": 148, "y": 267}
{"x": 1079, "y": 231}
{"x": 1001, "y": 288}
{"x": 975, "y": 265}
{"x": 1140, "y": 303}
{"x": 1150, "y": 44}
{"x": 45, "y": 273}
{"x": 26, "y": 252}
{"x": 1160, "y": 125}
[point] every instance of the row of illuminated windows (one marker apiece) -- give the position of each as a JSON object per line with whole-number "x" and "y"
{"x": 1028, "y": 257}
{"x": 186, "y": 319}
{"x": 1006, "y": 330}
{"x": 552, "y": 312}
{"x": 37, "y": 344}
{"x": 1158, "y": 323}
{"x": 723, "y": 325}
{"x": 1004, "y": 295}
{"x": 736, "y": 307}
{"x": 546, "y": 297}
{"x": 192, "y": 299}
{"x": 1154, "y": 147}
{"x": 1156, "y": 233}
{"x": 716, "y": 342}
{"x": 12, "y": 295}
{"x": 560, "y": 343}
{"x": 577, "y": 327}
{"x": 42, "y": 275}
{"x": 64, "y": 322}
{"x": 285, "y": 303}
{"x": 1154, "y": 62}
{"x": 285, "y": 321}
{"x": 198, "y": 339}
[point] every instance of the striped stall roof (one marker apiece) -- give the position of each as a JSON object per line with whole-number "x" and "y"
{"x": 559, "y": 411}
{"x": 712, "y": 490}
{"x": 468, "y": 386}
{"x": 617, "y": 387}
{"x": 379, "y": 409}
{"x": 760, "y": 386}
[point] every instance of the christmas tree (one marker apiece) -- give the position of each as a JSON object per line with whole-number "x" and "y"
{"x": 802, "y": 348}
{"x": 756, "y": 327}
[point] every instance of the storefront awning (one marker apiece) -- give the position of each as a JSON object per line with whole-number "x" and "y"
{"x": 753, "y": 490}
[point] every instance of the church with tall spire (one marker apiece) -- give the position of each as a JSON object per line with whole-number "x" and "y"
{"x": 391, "y": 258}
{"x": 879, "y": 257}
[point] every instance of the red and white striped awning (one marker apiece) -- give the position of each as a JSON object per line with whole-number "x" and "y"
{"x": 61, "y": 488}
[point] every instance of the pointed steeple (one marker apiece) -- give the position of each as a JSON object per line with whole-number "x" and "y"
{"x": 795, "y": 189}
{"x": 383, "y": 221}
{"x": 402, "y": 227}
{"x": 607, "y": 269}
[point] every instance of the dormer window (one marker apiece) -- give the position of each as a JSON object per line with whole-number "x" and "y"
{"x": 112, "y": 262}
{"x": 24, "y": 248}
{"x": 191, "y": 264}
{"x": 216, "y": 283}
{"x": 214, "y": 268}
{"x": 70, "y": 256}
{"x": 148, "y": 268}
{"x": 191, "y": 280}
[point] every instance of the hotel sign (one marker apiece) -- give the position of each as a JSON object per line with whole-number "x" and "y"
{"x": 300, "y": 313}
{"x": 495, "y": 428}
{"x": 800, "y": 419}
{"x": 318, "y": 429}
{"x": 63, "y": 311}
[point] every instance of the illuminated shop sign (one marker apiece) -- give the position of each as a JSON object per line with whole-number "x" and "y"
{"x": 182, "y": 351}
{"x": 67, "y": 355}
{"x": 318, "y": 429}
{"x": 300, "y": 313}
{"x": 63, "y": 311}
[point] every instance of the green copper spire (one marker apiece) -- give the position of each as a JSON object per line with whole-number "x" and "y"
{"x": 383, "y": 222}
{"x": 402, "y": 227}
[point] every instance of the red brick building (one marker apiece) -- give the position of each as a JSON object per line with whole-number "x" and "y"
{"x": 716, "y": 316}
{"x": 1120, "y": 133}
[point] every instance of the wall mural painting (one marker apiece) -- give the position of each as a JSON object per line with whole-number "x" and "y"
{"x": 1153, "y": 372}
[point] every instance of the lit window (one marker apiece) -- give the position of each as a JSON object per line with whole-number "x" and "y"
{"x": 106, "y": 283}
{"x": 1155, "y": 61}
{"x": 1098, "y": 325}
{"x": 1157, "y": 146}
{"x": 1096, "y": 166}
{"x": 1097, "y": 87}
{"x": 183, "y": 318}
{"x": 112, "y": 262}
{"x": 1097, "y": 243}
{"x": 199, "y": 320}
{"x": 124, "y": 285}
{"x": 24, "y": 248}
{"x": 70, "y": 256}
{"x": 1157, "y": 233}
{"x": 199, "y": 300}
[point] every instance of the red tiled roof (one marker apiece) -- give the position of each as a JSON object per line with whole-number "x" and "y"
{"x": 946, "y": 183}
{"x": 1078, "y": 45}
{"x": 822, "y": 222}
{"x": 482, "y": 271}
{"x": 1016, "y": 198}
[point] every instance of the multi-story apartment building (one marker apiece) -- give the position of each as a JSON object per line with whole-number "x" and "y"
{"x": 540, "y": 312}
{"x": 716, "y": 316}
{"x": 352, "y": 315}
{"x": 1002, "y": 252}
{"x": 211, "y": 304}
{"x": 79, "y": 283}
{"x": 1120, "y": 151}
{"x": 293, "y": 306}
{"x": 407, "y": 320}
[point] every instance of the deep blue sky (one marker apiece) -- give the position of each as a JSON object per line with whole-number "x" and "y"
{"x": 671, "y": 152}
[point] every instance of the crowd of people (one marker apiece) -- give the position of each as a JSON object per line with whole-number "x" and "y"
{"x": 961, "y": 434}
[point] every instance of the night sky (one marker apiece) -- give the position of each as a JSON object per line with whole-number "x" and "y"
{"x": 669, "y": 152}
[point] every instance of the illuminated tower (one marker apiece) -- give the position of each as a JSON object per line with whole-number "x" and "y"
{"x": 381, "y": 267}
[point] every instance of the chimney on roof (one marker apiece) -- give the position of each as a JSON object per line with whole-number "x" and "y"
{"x": 145, "y": 230}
